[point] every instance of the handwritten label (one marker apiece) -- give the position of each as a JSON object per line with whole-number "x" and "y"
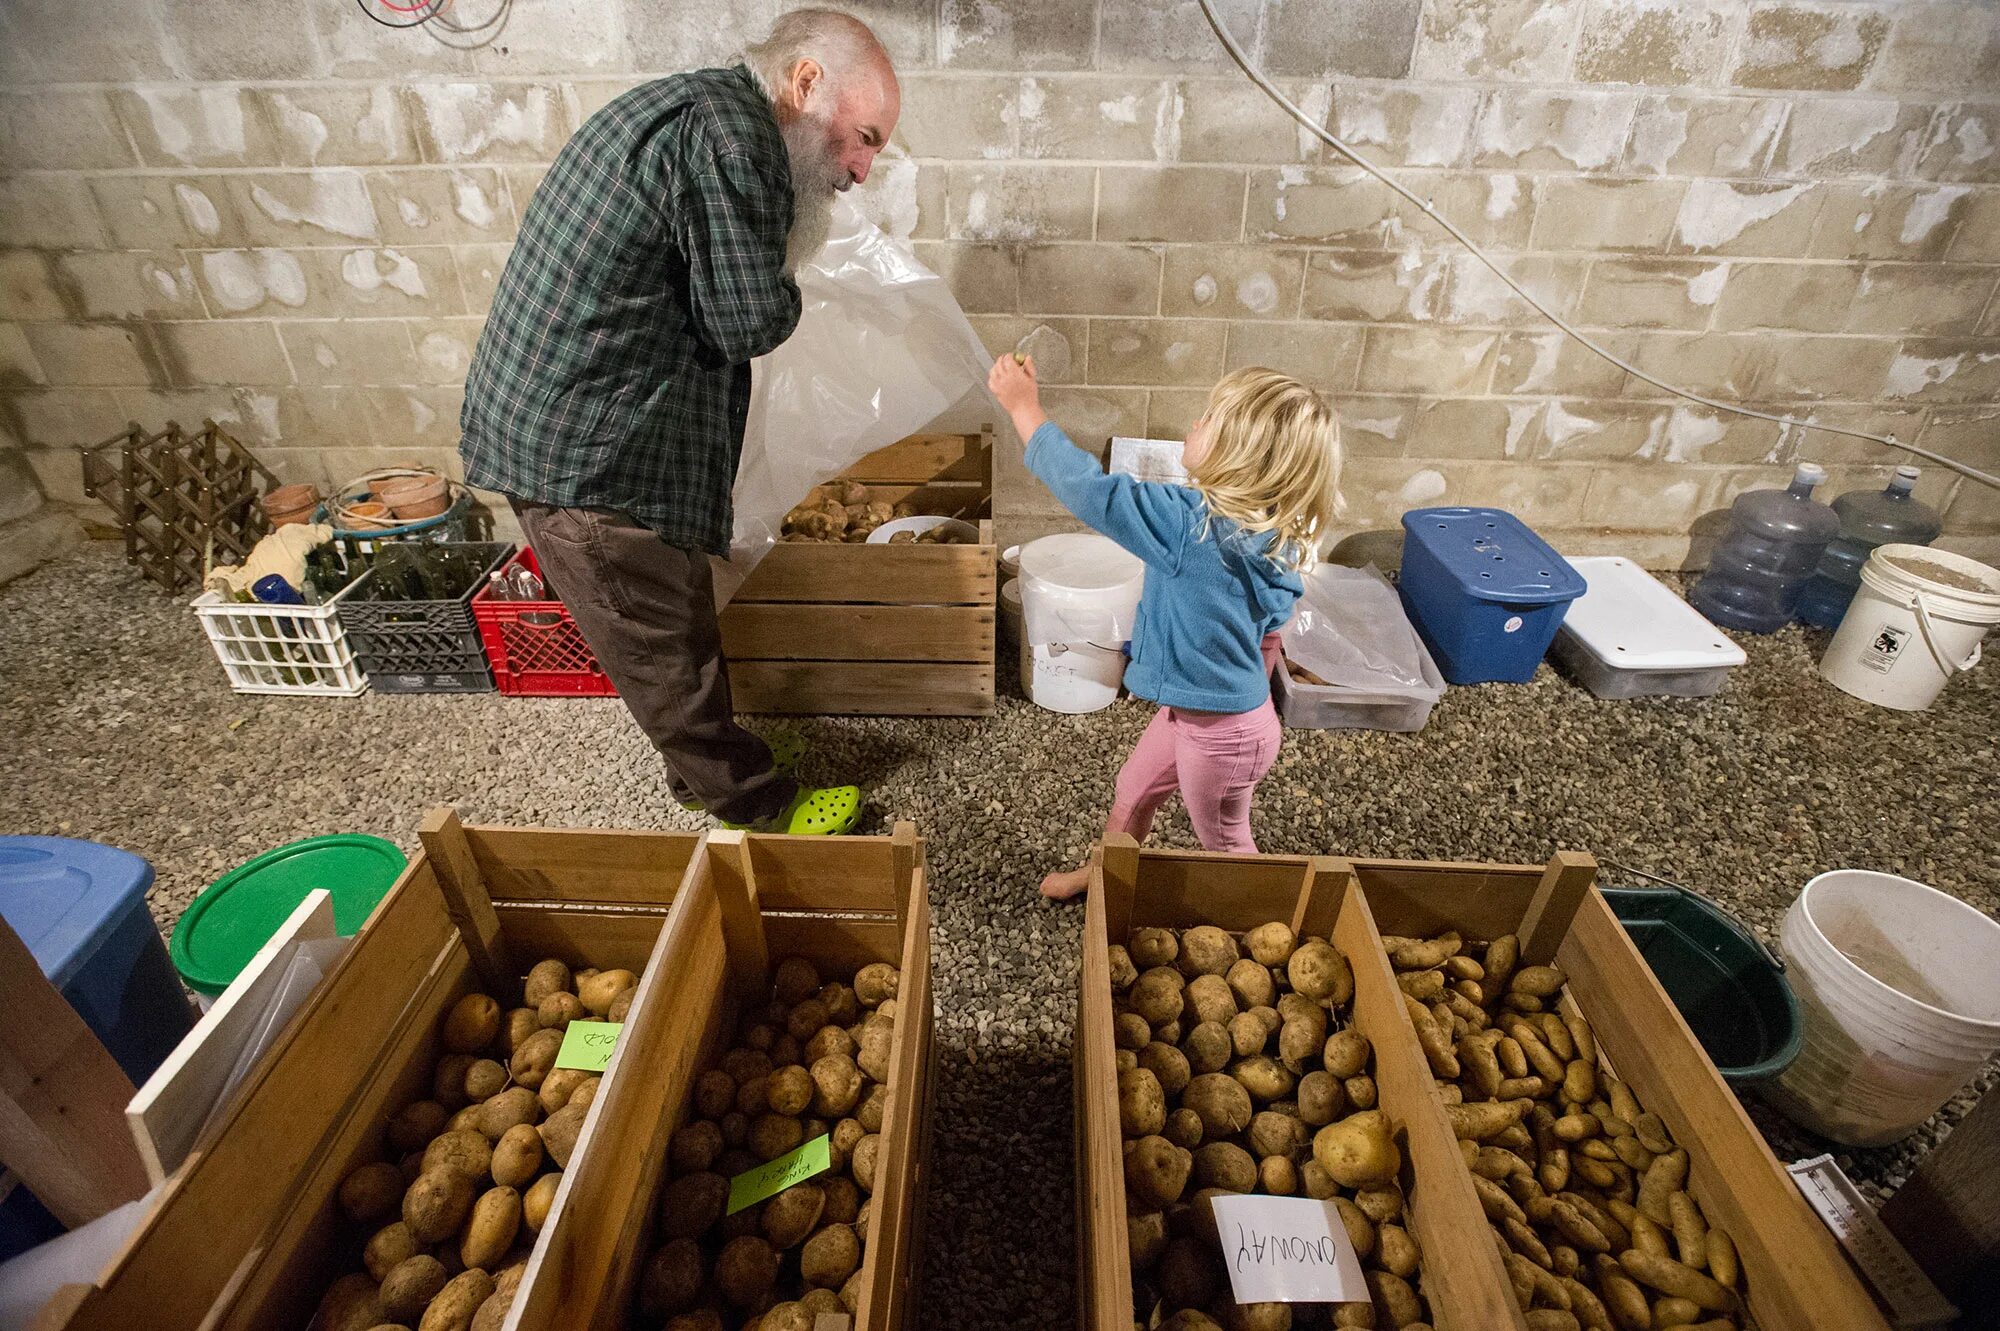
{"x": 747, "y": 1189}
{"x": 1287, "y": 1250}
{"x": 587, "y": 1045}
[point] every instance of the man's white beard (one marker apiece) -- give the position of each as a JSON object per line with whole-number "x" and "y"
{"x": 815, "y": 174}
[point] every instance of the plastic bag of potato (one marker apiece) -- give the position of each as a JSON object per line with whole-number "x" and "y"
{"x": 1238, "y": 1073}
{"x": 451, "y": 1221}
{"x": 1585, "y": 1190}
{"x": 813, "y": 1061}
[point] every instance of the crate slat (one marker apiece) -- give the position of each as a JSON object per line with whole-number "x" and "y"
{"x": 900, "y": 575}
{"x": 862, "y": 688}
{"x": 762, "y": 632}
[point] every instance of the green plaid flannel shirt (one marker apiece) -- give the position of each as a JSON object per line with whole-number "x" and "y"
{"x": 614, "y": 368}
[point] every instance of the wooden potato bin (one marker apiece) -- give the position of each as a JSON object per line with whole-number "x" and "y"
{"x": 1793, "y": 1273}
{"x": 878, "y": 630}
{"x": 248, "y": 1232}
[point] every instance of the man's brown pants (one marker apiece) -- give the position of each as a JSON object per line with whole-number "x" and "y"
{"x": 647, "y": 609}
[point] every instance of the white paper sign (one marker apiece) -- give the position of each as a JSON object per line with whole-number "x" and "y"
{"x": 1287, "y": 1250}
{"x": 1149, "y": 459}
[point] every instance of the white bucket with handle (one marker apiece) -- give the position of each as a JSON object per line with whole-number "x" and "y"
{"x": 1079, "y": 600}
{"x": 1917, "y": 620}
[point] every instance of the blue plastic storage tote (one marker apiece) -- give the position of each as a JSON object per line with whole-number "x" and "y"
{"x": 1485, "y": 592}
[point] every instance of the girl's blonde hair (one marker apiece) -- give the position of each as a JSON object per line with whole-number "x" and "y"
{"x": 1273, "y": 461}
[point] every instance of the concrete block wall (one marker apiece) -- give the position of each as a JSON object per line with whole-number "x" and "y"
{"x": 291, "y": 219}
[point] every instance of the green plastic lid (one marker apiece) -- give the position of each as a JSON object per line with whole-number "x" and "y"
{"x": 237, "y": 914}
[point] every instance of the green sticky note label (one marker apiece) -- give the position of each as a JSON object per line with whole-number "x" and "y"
{"x": 747, "y": 1189}
{"x": 587, "y": 1045}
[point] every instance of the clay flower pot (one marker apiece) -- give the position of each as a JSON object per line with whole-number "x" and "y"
{"x": 290, "y": 503}
{"x": 367, "y": 516}
{"x": 412, "y": 498}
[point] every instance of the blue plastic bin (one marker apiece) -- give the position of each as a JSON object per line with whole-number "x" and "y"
{"x": 1485, "y": 592}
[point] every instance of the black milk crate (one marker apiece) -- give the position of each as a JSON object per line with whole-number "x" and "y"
{"x": 423, "y": 646}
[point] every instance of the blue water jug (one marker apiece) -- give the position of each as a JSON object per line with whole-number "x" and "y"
{"x": 1868, "y": 518}
{"x": 1775, "y": 541}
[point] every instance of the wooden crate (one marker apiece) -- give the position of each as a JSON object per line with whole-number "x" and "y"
{"x": 1796, "y": 1277}
{"x": 878, "y": 630}
{"x": 246, "y": 1233}
{"x": 842, "y": 902}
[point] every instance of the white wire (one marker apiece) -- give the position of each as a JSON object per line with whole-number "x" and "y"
{"x": 1263, "y": 81}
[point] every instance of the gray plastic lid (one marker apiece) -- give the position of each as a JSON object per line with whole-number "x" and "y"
{"x": 1809, "y": 473}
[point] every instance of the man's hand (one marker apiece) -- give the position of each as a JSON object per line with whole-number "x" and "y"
{"x": 1013, "y": 385}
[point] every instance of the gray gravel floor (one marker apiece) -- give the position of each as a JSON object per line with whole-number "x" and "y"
{"x": 120, "y": 727}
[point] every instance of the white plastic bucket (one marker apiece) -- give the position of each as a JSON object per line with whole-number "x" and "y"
{"x": 1899, "y": 985}
{"x": 1079, "y": 598}
{"x": 1910, "y": 629}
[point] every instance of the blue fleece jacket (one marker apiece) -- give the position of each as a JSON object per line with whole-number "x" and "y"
{"x": 1212, "y": 593}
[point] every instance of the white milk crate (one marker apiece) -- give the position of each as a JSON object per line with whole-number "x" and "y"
{"x": 300, "y": 650}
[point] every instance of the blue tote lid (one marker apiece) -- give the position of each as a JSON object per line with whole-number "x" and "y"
{"x": 1493, "y": 555}
{"x": 64, "y": 897}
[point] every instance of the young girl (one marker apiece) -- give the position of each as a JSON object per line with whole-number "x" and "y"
{"x": 1223, "y": 557}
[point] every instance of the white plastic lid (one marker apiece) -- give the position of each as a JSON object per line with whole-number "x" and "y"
{"x": 1079, "y": 562}
{"x": 1079, "y": 587}
{"x": 1630, "y": 620}
{"x": 1809, "y": 473}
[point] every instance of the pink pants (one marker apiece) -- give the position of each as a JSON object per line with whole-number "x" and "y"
{"x": 1214, "y": 760}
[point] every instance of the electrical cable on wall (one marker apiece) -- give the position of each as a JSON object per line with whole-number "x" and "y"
{"x": 1789, "y": 423}
{"x": 430, "y": 15}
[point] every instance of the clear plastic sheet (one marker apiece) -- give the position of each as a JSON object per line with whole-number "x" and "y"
{"x": 1350, "y": 630}
{"x": 882, "y": 350}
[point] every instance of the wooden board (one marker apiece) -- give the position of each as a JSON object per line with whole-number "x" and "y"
{"x": 927, "y": 457}
{"x": 1104, "y": 1266}
{"x": 874, "y": 575}
{"x": 857, "y": 633}
{"x": 560, "y": 864}
{"x": 176, "y": 1100}
{"x": 862, "y": 688}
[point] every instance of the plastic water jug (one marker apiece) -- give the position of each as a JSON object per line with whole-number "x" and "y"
{"x": 1775, "y": 541}
{"x": 1868, "y": 518}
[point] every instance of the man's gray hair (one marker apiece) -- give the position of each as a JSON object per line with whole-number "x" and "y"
{"x": 838, "y": 43}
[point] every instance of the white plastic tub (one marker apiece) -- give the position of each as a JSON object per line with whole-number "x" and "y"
{"x": 1630, "y": 636}
{"x": 1304, "y": 706}
{"x": 1899, "y": 985}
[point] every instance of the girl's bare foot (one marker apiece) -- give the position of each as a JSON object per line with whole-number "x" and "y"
{"x": 1064, "y": 886}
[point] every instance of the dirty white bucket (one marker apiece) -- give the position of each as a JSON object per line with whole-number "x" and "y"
{"x": 1917, "y": 620}
{"x": 1079, "y": 597}
{"x": 1899, "y": 985}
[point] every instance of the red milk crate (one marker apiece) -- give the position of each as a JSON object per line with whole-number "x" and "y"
{"x": 535, "y": 648}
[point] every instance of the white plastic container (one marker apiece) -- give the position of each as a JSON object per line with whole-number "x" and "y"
{"x": 966, "y": 533}
{"x": 1899, "y": 985}
{"x": 291, "y": 649}
{"x": 1079, "y": 597}
{"x": 1630, "y": 636}
{"x": 1304, "y": 706}
{"x": 1918, "y": 619}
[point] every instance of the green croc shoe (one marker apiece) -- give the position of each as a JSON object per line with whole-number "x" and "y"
{"x": 826, "y": 811}
{"x": 788, "y": 749}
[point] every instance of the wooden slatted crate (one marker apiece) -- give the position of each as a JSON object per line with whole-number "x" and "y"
{"x": 247, "y": 1233}
{"x": 1795, "y": 1275}
{"x": 878, "y": 630}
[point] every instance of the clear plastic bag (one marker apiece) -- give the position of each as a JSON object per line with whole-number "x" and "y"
{"x": 882, "y": 350}
{"x": 1350, "y": 630}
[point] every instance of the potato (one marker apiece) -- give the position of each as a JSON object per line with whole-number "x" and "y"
{"x": 1319, "y": 972}
{"x": 829, "y": 1039}
{"x": 692, "y": 1203}
{"x": 484, "y": 1079}
{"x": 1360, "y": 1092}
{"x": 673, "y": 1279}
{"x": 789, "y": 1090}
{"x": 1221, "y": 1101}
{"x": 1677, "y": 1279}
{"x": 455, "y": 1304}
{"x": 1300, "y": 1043}
{"x": 1208, "y": 1048}
{"x": 1259, "y": 1317}
{"x": 873, "y": 1108}
{"x": 876, "y": 983}
{"x": 806, "y": 1019}
{"x": 547, "y": 977}
{"x": 1184, "y": 1128}
{"x": 751, "y": 1097}
{"x": 1321, "y": 1098}
{"x": 1142, "y": 1104}
{"x": 795, "y": 980}
{"x": 496, "y": 1218}
{"x": 1358, "y": 1150}
{"x": 598, "y": 991}
{"x": 1483, "y": 1122}
{"x": 695, "y": 1147}
{"x": 1271, "y": 944}
{"x": 509, "y": 1109}
{"x": 707, "y": 1319}
{"x": 1207, "y": 950}
{"x": 558, "y": 1010}
{"x": 830, "y": 1257}
{"x": 835, "y": 1086}
{"x": 472, "y": 1024}
{"x": 387, "y": 1248}
{"x": 1168, "y": 1065}
{"x": 464, "y": 1150}
{"x": 1277, "y": 1176}
{"x": 771, "y": 1135}
{"x": 745, "y": 1270}
{"x": 371, "y": 1193}
{"x": 1209, "y": 998}
{"x": 789, "y": 1218}
{"x": 1225, "y": 1165}
{"x": 1123, "y": 972}
{"x": 1131, "y": 1031}
{"x": 448, "y": 1085}
{"x": 1158, "y": 995}
{"x": 1540, "y": 981}
{"x": 408, "y": 1289}
{"x": 517, "y": 1156}
{"x": 878, "y": 1046}
{"x": 1153, "y": 947}
{"x": 1264, "y": 1077}
{"x": 559, "y": 1085}
{"x": 520, "y": 1023}
{"x": 1247, "y": 1034}
{"x": 416, "y": 1123}
{"x": 1251, "y": 982}
{"x": 351, "y": 1303}
{"x": 1187, "y": 1319}
{"x": 536, "y": 1201}
{"x": 1156, "y": 1172}
{"x": 535, "y": 1058}
{"x": 862, "y": 1164}
{"x": 437, "y": 1204}
{"x": 621, "y": 1006}
{"x": 1272, "y": 1133}
{"x": 560, "y": 1130}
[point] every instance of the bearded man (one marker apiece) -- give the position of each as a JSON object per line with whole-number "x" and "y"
{"x": 609, "y": 391}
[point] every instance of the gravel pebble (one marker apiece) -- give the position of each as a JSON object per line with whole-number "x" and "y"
{"x": 121, "y": 728}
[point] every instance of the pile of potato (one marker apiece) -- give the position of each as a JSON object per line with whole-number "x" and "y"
{"x": 452, "y": 1219}
{"x": 1586, "y": 1191}
{"x": 1236, "y": 1074}
{"x": 845, "y": 511}
{"x": 813, "y": 1061}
